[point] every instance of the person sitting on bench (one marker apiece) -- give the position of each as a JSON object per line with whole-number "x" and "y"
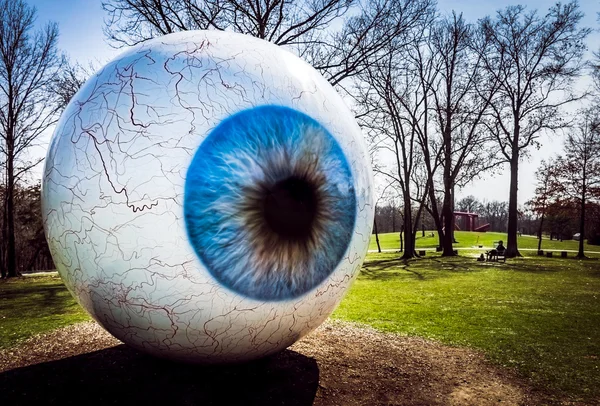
{"x": 500, "y": 248}
{"x": 498, "y": 251}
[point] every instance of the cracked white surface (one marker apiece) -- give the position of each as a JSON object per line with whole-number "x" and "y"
{"x": 113, "y": 195}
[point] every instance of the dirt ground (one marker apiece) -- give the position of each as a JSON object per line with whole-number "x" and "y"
{"x": 338, "y": 364}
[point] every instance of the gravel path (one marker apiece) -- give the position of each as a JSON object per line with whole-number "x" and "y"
{"x": 338, "y": 364}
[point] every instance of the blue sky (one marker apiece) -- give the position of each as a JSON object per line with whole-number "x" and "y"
{"x": 80, "y": 24}
{"x": 81, "y": 38}
{"x": 81, "y": 21}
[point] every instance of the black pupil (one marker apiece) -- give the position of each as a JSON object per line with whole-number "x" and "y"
{"x": 290, "y": 207}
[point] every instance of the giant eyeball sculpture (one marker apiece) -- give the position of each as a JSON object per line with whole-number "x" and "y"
{"x": 207, "y": 197}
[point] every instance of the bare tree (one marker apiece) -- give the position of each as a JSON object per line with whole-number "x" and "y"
{"x": 308, "y": 28}
{"x": 495, "y": 213}
{"x": 28, "y": 62}
{"x": 595, "y": 66}
{"x": 388, "y": 214}
{"x": 32, "y": 250}
{"x": 533, "y": 60}
{"x": 396, "y": 138}
{"x": 425, "y": 66}
{"x": 283, "y": 22}
{"x": 417, "y": 75}
{"x": 382, "y": 194}
{"x": 545, "y": 193}
{"x": 366, "y": 37}
{"x": 579, "y": 168}
{"x": 68, "y": 81}
{"x": 446, "y": 111}
{"x": 3, "y": 222}
{"x": 469, "y": 204}
{"x": 459, "y": 112}
{"x": 394, "y": 98}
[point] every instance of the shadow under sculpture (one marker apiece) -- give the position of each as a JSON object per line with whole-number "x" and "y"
{"x": 122, "y": 375}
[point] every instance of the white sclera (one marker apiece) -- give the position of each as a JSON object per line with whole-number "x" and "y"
{"x": 113, "y": 187}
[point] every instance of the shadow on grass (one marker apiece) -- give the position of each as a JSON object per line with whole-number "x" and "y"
{"x": 419, "y": 268}
{"x": 532, "y": 268}
{"x": 40, "y": 299}
{"x": 532, "y": 264}
{"x": 121, "y": 375}
{"x": 388, "y": 269}
{"x": 428, "y": 268}
{"x": 435, "y": 267}
{"x": 378, "y": 274}
{"x": 48, "y": 292}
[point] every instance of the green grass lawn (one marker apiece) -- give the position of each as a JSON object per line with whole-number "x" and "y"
{"x": 539, "y": 315}
{"x": 35, "y": 304}
{"x": 471, "y": 239}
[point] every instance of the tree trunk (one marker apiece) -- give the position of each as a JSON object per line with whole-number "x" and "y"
{"x": 452, "y": 217}
{"x": 409, "y": 243}
{"x": 2, "y": 267}
{"x": 11, "y": 263}
{"x": 540, "y": 232}
{"x": 413, "y": 236}
{"x": 511, "y": 244}
{"x": 436, "y": 217}
{"x": 448, "y": 215}
{"x": 418, "y": 218}
{"x": 581, "y": 253}
{"x": 448, "y": 205}
{"x": 4, "y": 238}
{"x": 376, "y": 235}
{"x": 435, "y": 213}
{"x": 402, "y": 240}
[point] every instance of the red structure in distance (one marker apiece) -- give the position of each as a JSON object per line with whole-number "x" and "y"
{"x": 469, "y": 222}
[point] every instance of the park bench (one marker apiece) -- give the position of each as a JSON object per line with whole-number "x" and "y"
{"x": 501, "y": 254}
{"x": 495, "y": 255}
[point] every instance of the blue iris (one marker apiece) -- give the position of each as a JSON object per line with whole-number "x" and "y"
{"x": 269, "y": 203}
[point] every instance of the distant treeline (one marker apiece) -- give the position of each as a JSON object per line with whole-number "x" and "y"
{"x": 561, "y": 220}
{"x": 494, "y": 213}
{"x": 31, "y": 249}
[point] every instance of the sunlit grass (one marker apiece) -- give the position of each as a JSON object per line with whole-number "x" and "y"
{"x": 33, "y": 305}
{"x": 467, "y": 239}
{"x": 539, "y": 315}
